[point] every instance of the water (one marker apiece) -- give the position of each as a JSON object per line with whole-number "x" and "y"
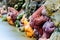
{"x": 8, "y": 32}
